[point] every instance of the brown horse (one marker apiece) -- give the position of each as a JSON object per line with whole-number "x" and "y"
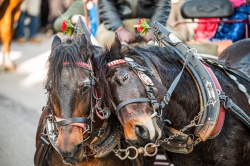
{"x": 136, "y": 80}
{"x": 80, "y": 132}
{"x": 83, "y": 134}
{"x": 9, "y": 14}
{"x": 73, "y": 122}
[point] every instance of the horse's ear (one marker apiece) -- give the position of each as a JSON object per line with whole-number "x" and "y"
{"x": 56, "y": 41}
{"x": 82, "y": 39}
{"x": 116, "y": 45}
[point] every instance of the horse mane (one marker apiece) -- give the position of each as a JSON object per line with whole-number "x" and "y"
{"x": 70, "y": 50}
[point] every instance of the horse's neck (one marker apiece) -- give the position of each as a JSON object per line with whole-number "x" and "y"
{"x": 184, "y": 104}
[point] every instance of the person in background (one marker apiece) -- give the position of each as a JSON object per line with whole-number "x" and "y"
{"x": 234, "y": 31}
{"x": 31, "y": 9}
{"x": 74, "y": 10}
{"x": 120, "y": 16}
{"x": 56, "y": 7}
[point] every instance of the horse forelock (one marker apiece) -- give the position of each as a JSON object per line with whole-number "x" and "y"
{"x": 69, "y": 51}
{"x": 101, "y": 68}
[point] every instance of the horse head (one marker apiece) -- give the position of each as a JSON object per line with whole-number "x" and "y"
{"x": 132, "y": 90}
{"x": 70, "y": 84}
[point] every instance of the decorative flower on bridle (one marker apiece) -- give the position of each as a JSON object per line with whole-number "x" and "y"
{"x": 142, "y": 26}
{"x": 67, "y": 27}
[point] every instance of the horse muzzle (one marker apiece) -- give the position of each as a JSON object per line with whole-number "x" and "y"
{"x": 66, "y": 140}
{"x": 144, "y": 133}
{"x": 74, "y": 156}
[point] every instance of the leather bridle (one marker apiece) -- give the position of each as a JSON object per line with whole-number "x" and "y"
{"x": 147, "y": 83}
{"x": 53, "y": 122}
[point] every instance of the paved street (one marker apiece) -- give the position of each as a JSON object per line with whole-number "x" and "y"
{"x": 21, "y": 98}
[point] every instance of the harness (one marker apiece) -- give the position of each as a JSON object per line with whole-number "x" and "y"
{"x": 168, "y": 39}
{"x": 147, "y": 82}
{"x": 209, "y": 121}
{"x": 102, "y": 140}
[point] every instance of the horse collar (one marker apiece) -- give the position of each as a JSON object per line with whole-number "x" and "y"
{"x": 209, "y": 97}
{"x": 221, "y": 118}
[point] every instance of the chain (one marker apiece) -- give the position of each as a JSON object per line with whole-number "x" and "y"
{"x": 148, "y": 148}
{"x": 192, "y": 123}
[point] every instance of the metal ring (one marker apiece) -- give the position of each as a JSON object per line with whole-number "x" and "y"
{"x": 136, "y": 152}
{"x": 151, "y": 145}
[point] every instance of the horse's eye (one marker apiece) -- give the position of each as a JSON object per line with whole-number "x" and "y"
{"x": 84, "y": 89}
{"x": 125, "y": 78}
{"x": 84, "y": 86}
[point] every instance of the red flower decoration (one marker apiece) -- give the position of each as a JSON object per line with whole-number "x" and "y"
{"x": 139, "y": 28}
{"x": 67, "y": 27}
{"x": 64, "y": 25}
{"x": 142, "y": 26}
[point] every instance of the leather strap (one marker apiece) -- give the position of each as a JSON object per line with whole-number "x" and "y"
{"x": 167, "y": 97}
{"x": 41, "y": 150}
{"x": 235, "y": 109}
{"x": 135, "y": 100}
{"x": 72, "y": 120}
{"x": 182, "y": 143}
{"x": 239, "y": 73}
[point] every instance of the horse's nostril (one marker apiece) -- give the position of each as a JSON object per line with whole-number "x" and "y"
{"x": 142, "y": 132}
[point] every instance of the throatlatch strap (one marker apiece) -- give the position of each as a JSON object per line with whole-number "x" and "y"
{"x": 175, "y": 82}
{"x": 72, "y": 120}
{"x": 135, "y": 100}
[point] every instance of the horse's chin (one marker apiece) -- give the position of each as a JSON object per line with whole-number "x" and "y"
{"x": 75, "y": 160}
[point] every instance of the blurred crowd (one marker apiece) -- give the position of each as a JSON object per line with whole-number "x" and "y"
{"x": 38, "y": 16}
{"x": 47, "y": 15}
